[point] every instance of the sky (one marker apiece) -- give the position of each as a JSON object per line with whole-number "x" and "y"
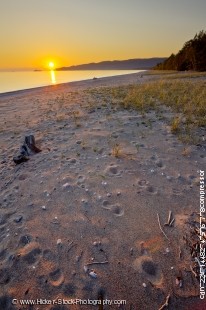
{"x": 71, "y": 32}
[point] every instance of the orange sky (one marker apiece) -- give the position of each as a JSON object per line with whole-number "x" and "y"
{"x": 69, "y": 32}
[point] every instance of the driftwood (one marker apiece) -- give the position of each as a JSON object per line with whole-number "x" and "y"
{"x": 166, "y": 303}
{"x": 28, "y": 148}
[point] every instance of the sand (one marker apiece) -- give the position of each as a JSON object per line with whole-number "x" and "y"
{"x": 79, "y": 220}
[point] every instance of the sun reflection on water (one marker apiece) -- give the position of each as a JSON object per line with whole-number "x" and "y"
{"x": 53, "y": 77}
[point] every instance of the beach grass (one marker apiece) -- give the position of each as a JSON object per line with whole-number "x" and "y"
{"x": 185, "y": 98}
{"x": 172, "y": 74}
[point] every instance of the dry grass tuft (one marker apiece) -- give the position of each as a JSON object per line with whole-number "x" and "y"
{"x": 116, "y": 150}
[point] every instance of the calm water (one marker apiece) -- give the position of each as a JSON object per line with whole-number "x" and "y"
{"x": 10, "y": 81}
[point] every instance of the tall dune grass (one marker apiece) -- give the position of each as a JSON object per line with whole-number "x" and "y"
{"x": 186, "y": 98}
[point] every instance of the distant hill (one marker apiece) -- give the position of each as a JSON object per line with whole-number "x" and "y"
{"x": 130, "y": 64}
{"x": 191, "y": 57}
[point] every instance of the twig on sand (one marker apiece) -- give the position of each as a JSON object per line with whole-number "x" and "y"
{"x": 172, "y": 221}
{"x": 180, "y": 253}
{"x": 54, "y": 222}
{"x": 192, "y": 270}
{"x": 166, "y": 303}
{"x": 169, "y": 217}
{"x": 96, "y": 263}
{"x": 161, "y": 227}
{"x": 71, "y": 245}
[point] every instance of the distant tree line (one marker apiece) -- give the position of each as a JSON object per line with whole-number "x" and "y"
{"x": 191, "y": 57}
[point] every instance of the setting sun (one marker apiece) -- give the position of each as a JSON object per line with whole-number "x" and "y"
{"x": 51, "y": 65}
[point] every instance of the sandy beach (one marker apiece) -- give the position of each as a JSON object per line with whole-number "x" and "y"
{"x": 84, "y": 219}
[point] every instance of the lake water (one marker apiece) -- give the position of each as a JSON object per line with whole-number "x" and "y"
{"x": 11, "y": 81}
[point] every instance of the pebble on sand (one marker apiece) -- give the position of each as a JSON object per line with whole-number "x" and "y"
{"x": 93, "y": 274}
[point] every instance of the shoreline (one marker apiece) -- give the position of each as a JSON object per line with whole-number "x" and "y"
{"x": 73, "y": 83}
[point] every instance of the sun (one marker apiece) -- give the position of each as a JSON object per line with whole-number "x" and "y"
{"x": 51, "y": 65}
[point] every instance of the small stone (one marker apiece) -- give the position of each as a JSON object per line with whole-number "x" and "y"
{"x": 109, "y": 195}
{"x": 65, "y": 185}
{"x": 18, "y": 219}
{"x": 95, "y": 243}
{"x": 78, "y": 258}
{"x": 43, "y": 207}
{"x": 144, "y": 284}
{"x": 59, "y": 241}
{"x": 167, "y": 250}
{"x": 85, "y": 269}
{"x": 118, "y": 193}
{"x": 93, "y": 274}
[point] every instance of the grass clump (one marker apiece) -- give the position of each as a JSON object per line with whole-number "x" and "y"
{"x": 182, "y": 93}
{"x": 116, "y": 150}
{"x": 175, "y": 125}
{"x": 186, "y": 98}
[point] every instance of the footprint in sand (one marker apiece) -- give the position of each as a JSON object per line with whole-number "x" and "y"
{"x": 117, "y": 210}
{"x": 56, "y": 277}
{"x": 142, "y": 183}
{"x": 23, "y": 177}
{"x": 5, "y": 217}
{"x": 33, "y": 256}
{"x": 145, "y": 265}
{"x": 4, "y": 276}
{"x": 6, "y": 303}
{"x": 48, "y": 255}
{"x": 112, "y": 170}
{"x": 106, "y": 204}
{"x": 159, "y": 164}
{"x": 151, "y": 189}
{"x": 69, "y": 289}
{"x": 176, "y": 191}
{"x": 30, "y": 253}
{"x": 81, "y": 179}
{"x": 24, "y": 240}
{"x": 3, "y": 254}
{"x": 72, "y": 161}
